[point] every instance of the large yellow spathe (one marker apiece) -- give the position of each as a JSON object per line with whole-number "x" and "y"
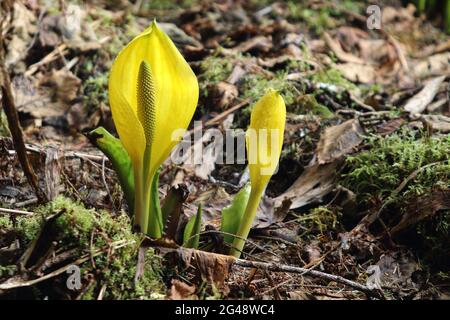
{"x": 264, "y": 138}
{"x": 151, "y": 86}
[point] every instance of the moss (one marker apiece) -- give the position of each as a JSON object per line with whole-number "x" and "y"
{"x": 119, "y": 274}
{"x": 7, "y": 270}
{"x": 5, "y": 222}
{"x": 254, "y": 86}
{"x": 89, "y": 230}
{"x": 95, "y": 90}
{"x": 320, "y": 18}
{"x": 29, "y": 227}
{"x": 4, "y": 129}
{"x": 215, "y": 69}
{"x": 319, "y": 219}
{"x": 308, "y": 103}
{"x": 334, "y": 77}
{"x": 376, "y": 173}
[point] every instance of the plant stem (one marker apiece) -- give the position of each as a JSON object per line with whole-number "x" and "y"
{"x": 447, "y": 16}
{"x": 154, "y": 227}
{"x": 421, "y": 4}
{"x": 247, "y": 221}
{"x": 139, "y": 201}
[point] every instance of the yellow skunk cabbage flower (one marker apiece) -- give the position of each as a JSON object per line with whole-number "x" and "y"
{"x": 153, "y": 93}
{"x": 264, "y": 140}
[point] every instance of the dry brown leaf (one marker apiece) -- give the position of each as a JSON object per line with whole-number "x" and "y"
{"x": 34, "y": 100}
{"x": 343, "y": 56}
{"x": 300, "y": 295}
{"x": 339, "y": 140}
{"x": 386, "y": 128}
{"x": 260, "y": 43}
{"x": 213, "y": 267}
{"x": 435, "y": 65}
{"x": 64, "y": 83}
{"x": 23, "y": 27}
{"x": 397, "y": 18}
{"x": 377, "y": 51}
{"x": 267, "y": 214}
{"x": 314, "y": 183}
{"x": 394, "y": 268}
{"x": 202, "y": 155}
{"x": 221, "y": 95}
{"x": 350, "y": 36}
{"x": 437, "y": 122}
{"x": 357, "y": 72}
{"x": 181, "y": 291}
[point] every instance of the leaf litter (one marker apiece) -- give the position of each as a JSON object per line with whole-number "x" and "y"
{"x": 345, "y": 87}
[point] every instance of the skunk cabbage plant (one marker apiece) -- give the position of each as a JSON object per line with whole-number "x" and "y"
{"x": 264, "y": 140}
{"x": 153, "y": 94}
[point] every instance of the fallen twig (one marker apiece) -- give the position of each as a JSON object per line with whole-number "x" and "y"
{"x": 16, "y": 212}
{"x": 313, "y": 273}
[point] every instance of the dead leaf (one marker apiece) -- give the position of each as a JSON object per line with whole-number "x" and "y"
{"x": 64, "y": 83}
{"x": 267, "y": 214}
{"x": 377, "y": 51}
{"x": 23, "y": 27}
{"x": 221, "y": 95}
{"x": 357, "y": 72}
{"x": 70, "y": 27}
{"x": 314, "y": 183}
{"x": 435, "y": 65}
{"x": 399, "y": 19}
{"x": 213, "y": 267}
{"x": 386, "y": 128}
{"x": 181, "y": 291}
{"x": 300, "y": 295}
{"x": 437, "y": 122}
{"x": 201, "y": 157}
{"x": 350, "y": 37}
{"x": 343, "y": 56}
{"x": 260, "y": 43}
{"x": 419, "y": 102}
{"x": 35, "y": 100}
{"x": 339, "y": 140}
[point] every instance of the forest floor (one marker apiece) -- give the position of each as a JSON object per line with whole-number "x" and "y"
{"x": 362, "y": 191}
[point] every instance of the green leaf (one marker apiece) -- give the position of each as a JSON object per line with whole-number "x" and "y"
{"x": 191, "y": 236}
{"x": 155, "y": 222}
{"x": 121, "y": 162}
{"x": 232, "y": 215}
